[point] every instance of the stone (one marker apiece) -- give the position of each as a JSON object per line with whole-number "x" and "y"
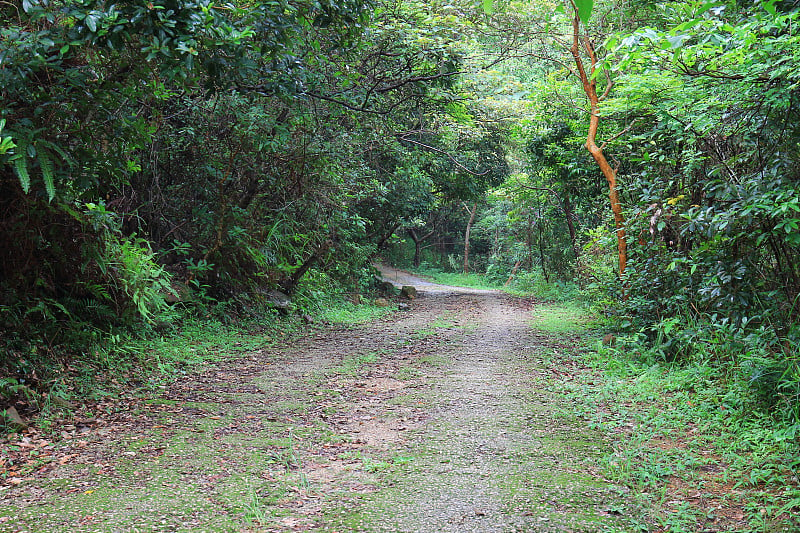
{"x": 61, "y": 402}
{"x": 13, "y": 419}
{"x": 386, "y": 287}
{"x": 381, "y": 302}
{"x": 277, "y": 299}
{"x": 409, "y": 291}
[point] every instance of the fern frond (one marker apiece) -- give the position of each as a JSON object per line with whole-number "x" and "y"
{"x": 47, "y": 174}
{"x": 21, "y": 168}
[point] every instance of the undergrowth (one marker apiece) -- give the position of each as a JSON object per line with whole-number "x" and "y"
{"x": 697, "y": 439}
{"x": 533, "y": 283}
{"x": 159, "y": 352}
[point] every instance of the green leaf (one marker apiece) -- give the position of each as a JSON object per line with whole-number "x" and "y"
{"x": 488, "y": 6}
{"x": 91, "y": 22}
{"x": 584, "y": 9}
{"x": 676, "y": 41}
{"x": 6, "y": 143}
{"x": 47, "y": 174}
{"x": 21, "y": 167}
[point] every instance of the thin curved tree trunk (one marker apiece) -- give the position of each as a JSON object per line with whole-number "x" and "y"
{"x": 590, "y": 88}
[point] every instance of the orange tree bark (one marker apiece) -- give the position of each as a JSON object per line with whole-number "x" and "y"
{"x": 590, "y": 88}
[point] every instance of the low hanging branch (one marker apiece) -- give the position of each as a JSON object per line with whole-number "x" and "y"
{"x": 403, "y": 138}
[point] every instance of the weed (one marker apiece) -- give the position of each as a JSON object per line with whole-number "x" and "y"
{"x": 373, "y": 466}
{"x": 286, "y": 457}
{"x": 255, "y": 508}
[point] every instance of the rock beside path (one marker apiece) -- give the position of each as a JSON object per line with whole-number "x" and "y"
{"x": 408, "y": 291}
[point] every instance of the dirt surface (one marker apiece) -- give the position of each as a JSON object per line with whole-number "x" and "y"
{"x": 447, "y": 416}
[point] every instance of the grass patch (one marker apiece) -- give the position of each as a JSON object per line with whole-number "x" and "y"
{"x": 690, "y": 444}
{"x": 353, "y": 364}
{"x": 474, "y": 281}
{"x": 146, "y": 362}
{"x": 350, "y": 313}
{"x": 689, "y": 438}
{"x": 562, "y": 318}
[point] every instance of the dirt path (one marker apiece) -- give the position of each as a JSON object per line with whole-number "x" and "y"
{"x": 445, "y": 417}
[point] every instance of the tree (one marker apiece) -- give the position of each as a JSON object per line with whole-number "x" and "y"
{"x": 583, "y": 50}
{"x": 471, "y": 212}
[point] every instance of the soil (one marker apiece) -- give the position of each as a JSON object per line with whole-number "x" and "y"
{"x": 446, "y": 416}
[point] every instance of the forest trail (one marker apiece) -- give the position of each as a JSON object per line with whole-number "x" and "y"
{"x": 447, "y": 417}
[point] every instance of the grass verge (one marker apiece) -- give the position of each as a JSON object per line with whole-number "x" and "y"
{"x": 128, "y": 364}
{"x": 700, "y": 456}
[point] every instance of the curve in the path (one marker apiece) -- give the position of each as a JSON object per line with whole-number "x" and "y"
{"x": 399, "y": 278}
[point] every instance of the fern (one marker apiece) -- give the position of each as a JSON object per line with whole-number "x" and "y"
{"x": 6, "y": 143}
{"x": 47, "y": 174}
{"x": 21, "y": 167}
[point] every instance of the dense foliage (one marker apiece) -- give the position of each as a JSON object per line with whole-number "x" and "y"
{"x": 201, "y": 152}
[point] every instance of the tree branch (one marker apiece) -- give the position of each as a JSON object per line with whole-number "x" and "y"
{"x": 401, "y": 138}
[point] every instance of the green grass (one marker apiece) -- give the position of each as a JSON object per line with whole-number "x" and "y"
{"x": 474, "y": 281}
{"x": 684, "y": 430}
{"x": 524, "y": 284}
{"x": 690, "y": 438}
{"x": 562, "y": 318}
{"x": 534, "y": 284}
{"x": 352, "y": 365}
{"x": 350, "y": 313}
{"x": 150, "y": 360}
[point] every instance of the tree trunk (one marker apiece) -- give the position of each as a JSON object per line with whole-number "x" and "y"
{"x": 590, "y": 89}
{"x": 513, "y": 271}
{"x": 289, "y": 285}
{"x": 418, "y": 240}
{"x": 529, "y": 241}
{"x": 386, "y": 236}
{"x": 566, "y": 206}
{"x": 466, "y": 234}
{"x": 541, "y": 245}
